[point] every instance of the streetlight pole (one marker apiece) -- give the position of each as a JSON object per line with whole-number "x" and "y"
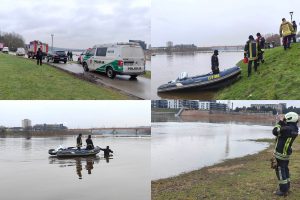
{"x": 52, "y": 35}
{"x": 291, "y": 13}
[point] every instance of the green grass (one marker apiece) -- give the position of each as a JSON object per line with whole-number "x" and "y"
{"x": 147, "y": 74}
{"x": 249, "y": 177}
{"x": 23, "y": 79}
{"x": 277, "y": 78}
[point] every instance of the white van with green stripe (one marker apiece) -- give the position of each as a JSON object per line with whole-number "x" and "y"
{"x": 113, "y": 59}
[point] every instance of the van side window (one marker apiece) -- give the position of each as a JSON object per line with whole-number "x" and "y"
{"x": 91, "y": 52}
{"x": 101, "y": 52}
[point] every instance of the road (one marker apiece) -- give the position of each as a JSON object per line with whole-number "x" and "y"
{"x": 139, "y": 87}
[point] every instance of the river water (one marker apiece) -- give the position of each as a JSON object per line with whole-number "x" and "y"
{"x": 167, "y": 67}
{"x": 182, "y": 147}
{"x": 28, "y": 172}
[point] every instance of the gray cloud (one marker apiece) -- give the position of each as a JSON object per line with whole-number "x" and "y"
{"x": 75, "y": 23}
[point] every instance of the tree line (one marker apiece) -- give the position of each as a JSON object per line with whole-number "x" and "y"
{"x": 12, "y": 40}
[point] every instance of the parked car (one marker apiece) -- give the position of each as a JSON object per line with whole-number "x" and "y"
{"x": 113, "y": 59}
{"x": 57, "y": 56}
{"x": 5, "y": 50}
{"x": 20, "y": 52}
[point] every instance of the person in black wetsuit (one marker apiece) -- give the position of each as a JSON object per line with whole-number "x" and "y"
{"x": 107, "y": 152}
{"x": 215, "y": 62}
{"x": 79, "y": 141}
{"x": 89, "y": 143}
{"x": 286, "y": 132}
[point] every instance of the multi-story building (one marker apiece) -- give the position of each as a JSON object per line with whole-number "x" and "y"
{"x": 26, "y": 123}
{"x": 169, "y": 44}
{"x": 278, "y": 107}
{"x": 189, "y": 104}
{"x": 49, "y": 127}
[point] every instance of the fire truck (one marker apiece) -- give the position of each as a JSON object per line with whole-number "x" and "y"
{"x": 34, "y": 46}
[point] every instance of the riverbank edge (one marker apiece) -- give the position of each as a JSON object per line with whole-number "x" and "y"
{"x": 248, "y": 177}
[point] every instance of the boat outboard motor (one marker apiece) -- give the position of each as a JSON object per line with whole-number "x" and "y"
{"x": 183, "y": 76}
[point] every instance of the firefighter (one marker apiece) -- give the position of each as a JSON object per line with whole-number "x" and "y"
{"x": 286, "y": 30}
{"x": 286, "y": 132}
{"x": 251, "y": 52}
{"x": 295, "y": 31}
{"x": 89, "y": 143}
{"x": 79, "y": 141}
{"x": 261, "y": 41}
{"x": 215, "y": 62}
{"x": 39, "y": 57}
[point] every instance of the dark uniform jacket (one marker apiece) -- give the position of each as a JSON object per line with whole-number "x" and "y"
{"x": 89, "y": 143}
{"x": 39, "y": 54}
{"x": 261, "y": 41}
{"x": 106, "y": 152}
{"x": 286, "y": 133}
{"x": 252, "y": 50}
{"x": 79, "y": 141}
{"x": 214, "y": 62}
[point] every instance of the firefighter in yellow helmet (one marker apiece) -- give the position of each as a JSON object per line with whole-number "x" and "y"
{"x": 251, "y": 51}
{"x": 286, "y": 31}
{"x": 286, "y": 132}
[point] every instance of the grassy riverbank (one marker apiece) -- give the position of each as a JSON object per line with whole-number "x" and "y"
{"x": 277, "y": 78}
{"x": 23, "y": 79}
{"x": 147, "y": 74}
{"x": 249, "y": 177}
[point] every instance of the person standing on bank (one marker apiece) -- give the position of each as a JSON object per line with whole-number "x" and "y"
{"x": 79, "y": 141}
{"x": 286, "y": 30}
{"x": 286, "y": 132}
{"x": 295, "y": 31}
{"x": 215, "y": 62}
{"x": 261, "y": 41}
{"x": 39, "y": 57}
{"x": 251, "y": 52}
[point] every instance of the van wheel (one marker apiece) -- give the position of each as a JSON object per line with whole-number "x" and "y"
{"x": 110, "y": 73}
{"x": 85, "y": 67}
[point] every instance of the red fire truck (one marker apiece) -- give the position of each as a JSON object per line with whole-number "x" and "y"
{"x": 34, "y": 46}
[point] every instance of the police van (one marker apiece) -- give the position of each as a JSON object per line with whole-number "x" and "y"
{"x": 113, "y": 59}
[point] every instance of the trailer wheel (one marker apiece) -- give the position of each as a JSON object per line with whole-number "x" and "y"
{"x": 85, "y": 67}
{"x": 110, "y": 73}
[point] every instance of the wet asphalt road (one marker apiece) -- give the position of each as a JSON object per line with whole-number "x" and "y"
{"x": 139, "y": 87}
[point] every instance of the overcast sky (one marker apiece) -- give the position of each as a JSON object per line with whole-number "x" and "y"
{"x": 77, "y": 23}
{"x": 77, "y": 114}
{"x": 217, "y": 22}
{"x": 241, "y": 103}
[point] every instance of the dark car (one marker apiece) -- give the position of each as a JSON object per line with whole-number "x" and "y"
{"x": 57, "y": 56}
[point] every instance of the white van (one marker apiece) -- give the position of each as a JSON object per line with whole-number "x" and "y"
{"x": 5, "y": 50}
{"x": 20, "y": 52}
{"x": 119, "y": 58}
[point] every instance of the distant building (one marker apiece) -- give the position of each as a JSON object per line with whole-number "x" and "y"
{"x": 15, "y": 129}
{"x": 169, "y": 44}
{"x": 141, "y": 43}
{"x": 26, "y": 123}
{"x": 278, "y": 107}
{"x": 189, "y": 104}
{"x": 49, "y": 127}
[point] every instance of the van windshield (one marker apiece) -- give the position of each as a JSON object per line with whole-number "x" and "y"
{"x": 132, "y": 52}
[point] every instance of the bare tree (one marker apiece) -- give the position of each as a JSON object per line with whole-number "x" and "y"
{"x": 12, "y": 40}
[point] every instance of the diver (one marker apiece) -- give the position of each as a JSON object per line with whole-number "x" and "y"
{"x": 261, "y": 41}
{"x": 79, "y": 141}
{"x": 286, "y": 132}
{"x": 251, "y": 52}
{"x": 107, "y": 152}
{"x": 215, "y": 62}
{"x": 286, "y": 30}
{"x": 89, "y": 143}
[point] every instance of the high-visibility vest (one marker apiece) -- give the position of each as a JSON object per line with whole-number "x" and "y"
{"x": 253, "y": 50}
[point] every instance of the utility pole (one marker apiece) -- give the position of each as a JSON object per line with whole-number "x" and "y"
{"x": 52, "y": 35}
{"x": 291, "y": 13}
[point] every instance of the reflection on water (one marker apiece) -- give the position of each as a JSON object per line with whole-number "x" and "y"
{"x": 183, "y": 147}
{"x": 79, "y": 162}
{"x": 27, "y": 169}
{"x": 167, "y": 67}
